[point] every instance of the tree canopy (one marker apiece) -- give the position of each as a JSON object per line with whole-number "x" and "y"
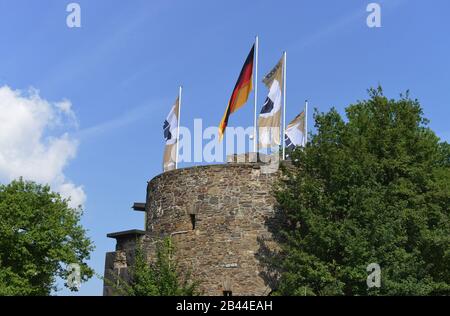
{"x": 40, "y": 235}
{"x": 371, "y": 188}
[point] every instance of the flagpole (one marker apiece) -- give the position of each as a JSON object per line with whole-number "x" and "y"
{"x": 180, "y": 90}
{"x": 306, "y": 124}
{"x": 284, "y": 105}
{"x": 256, "y": 95}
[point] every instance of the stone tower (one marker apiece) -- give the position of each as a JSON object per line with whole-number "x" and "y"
{"x": 216, "y": 216}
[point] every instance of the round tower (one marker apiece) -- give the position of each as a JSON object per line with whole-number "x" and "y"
{"x": 217, "y": 216}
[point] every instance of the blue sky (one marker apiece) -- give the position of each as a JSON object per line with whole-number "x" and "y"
{"x": 122, "y": 68}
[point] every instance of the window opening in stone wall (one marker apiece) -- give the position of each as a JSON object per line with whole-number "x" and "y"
{"x": 193, "y": 221}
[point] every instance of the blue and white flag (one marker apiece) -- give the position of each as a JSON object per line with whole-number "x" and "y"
{"x": 269, "y": 118}
{"x": 170, "y": 128}
{"x": 295, "y": 132}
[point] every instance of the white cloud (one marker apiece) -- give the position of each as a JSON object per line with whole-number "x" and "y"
{"x": 28, "y": 148}
{"x": 65, "y": 108}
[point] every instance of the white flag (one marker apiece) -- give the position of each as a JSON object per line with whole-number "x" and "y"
{"x": 170, "y": 128}
{"x": 295, "y": 132}
{"x": 269, "y": 118}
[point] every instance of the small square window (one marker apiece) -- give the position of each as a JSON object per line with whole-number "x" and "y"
{"x": 193, "y": 221}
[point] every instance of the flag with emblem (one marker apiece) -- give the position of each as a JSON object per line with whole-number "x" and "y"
{"x": 296, "y": 132}
{"x": 269, "y": 118}
{"x": 170, "y": 128}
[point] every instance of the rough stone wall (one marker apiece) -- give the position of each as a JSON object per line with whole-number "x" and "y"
{"x": 231, "y": 204}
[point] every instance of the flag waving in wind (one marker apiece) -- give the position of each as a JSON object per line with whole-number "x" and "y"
{"x": 295, "y": 132}
{"x": 171, "y": 136}
{"x": 269, "y": 118}
{"x": 240, "y": 93}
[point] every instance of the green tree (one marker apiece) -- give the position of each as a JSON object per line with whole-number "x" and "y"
{"x": 161, "y": 277}
{"x": 370, "y": 189}
{"x": 39, "y": 236}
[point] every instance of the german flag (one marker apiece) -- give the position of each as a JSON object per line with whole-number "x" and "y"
{"x": 241, "y": 91}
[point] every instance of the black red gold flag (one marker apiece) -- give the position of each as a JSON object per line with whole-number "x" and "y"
{"x": 241, "y": 91}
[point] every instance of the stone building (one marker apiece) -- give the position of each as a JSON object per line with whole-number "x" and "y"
{"x": 216, "y": 216}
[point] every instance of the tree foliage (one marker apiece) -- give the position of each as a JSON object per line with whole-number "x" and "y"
{"x": 374, "y": 188}
{"x": 160, "y": 277}
{"x": 39, "y": 235}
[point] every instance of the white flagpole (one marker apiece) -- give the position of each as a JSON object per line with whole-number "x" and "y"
{"x": 255, "y": 139}
{"x": 284, "y": 105}
{"x": 305, "y": 137}
{"x": 178, "y": 129}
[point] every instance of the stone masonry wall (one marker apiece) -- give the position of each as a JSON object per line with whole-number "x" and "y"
{"x": 229, "y": 205}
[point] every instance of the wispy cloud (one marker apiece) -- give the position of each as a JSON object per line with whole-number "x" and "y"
{"x": 69, "y": 68}
{"x": 341, "y": 23}
{"x": 145, "y": 111}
